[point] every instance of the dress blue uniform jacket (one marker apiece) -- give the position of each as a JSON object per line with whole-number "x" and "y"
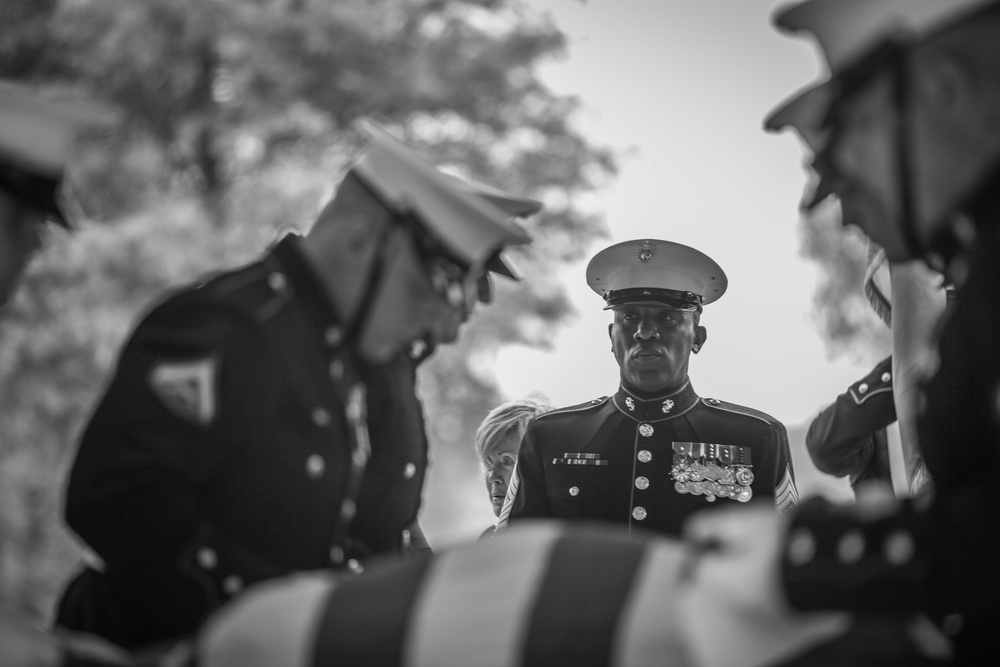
{"x": 612, "y": 459}
{"x": 232, "y": 446}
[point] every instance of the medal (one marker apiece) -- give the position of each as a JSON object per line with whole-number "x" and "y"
{"x": 713, "y": 471}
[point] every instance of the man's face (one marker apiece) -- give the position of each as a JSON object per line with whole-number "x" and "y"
{"x": 948, "y": 146}
{"x": 20, "y": 238}
{"x": 411, "y": 304}
{"x": 498, "y": 462}
{"x": 653, "y": 344}
{"x": 860, "y": 166}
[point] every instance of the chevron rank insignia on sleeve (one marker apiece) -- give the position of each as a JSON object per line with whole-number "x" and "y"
{"x": 186, "y": 388}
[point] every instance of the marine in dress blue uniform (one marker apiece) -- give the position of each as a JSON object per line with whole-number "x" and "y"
{"x": 246, "y": 434}
{"x": 648, "y": 457}
{"x": 936, "y": 553}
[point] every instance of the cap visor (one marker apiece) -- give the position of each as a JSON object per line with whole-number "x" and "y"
{"x": 503, "y": 266}
{"x": 471, "y": 227}
{"x": 805, "y": 112}
{"x": 506, "y": 202}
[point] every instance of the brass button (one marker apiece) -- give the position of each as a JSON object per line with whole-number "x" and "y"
{"x": 642, "y": 483}
{"x": 851, "y": 547}
{"x": 355, "y": 566}
{"x": 886, "y": 376}
{"x": 207, "y": 558}
{"x": 359, "y": 457}
{"x": 409, "y": 471}
{"x": 232, "y": 584}
{"x": 574, "y": 490}
{"x": 801, "y": 547}
{"x": 645, "y": 456}
{"x": 898, "y": 548}
{"x": 337, "y": 555}
{"x": 863, "y": 387}
{"x": 315, "y": 466}
{"x": 277, "y": 281}
{"x": 321, "y": 417}
{"x": 333, "y": 335}
{"x": 639, "y": 513}
{"x": 337, "y": 369}
{"x": 348, "y": 509}
{"x": 646, "y": 430}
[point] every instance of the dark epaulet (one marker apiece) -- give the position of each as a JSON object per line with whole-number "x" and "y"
{"x": 254, "y": 291}
{"x": 580, "y": 407}
{"x": 739, "y": 410}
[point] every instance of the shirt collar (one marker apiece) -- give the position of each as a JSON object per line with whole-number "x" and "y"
{"x": 666, "y": 406}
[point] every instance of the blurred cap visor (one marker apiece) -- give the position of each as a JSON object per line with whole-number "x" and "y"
{"x": 37, "y": 138}
{"x": 846, "y": 33}
{"x": 471, "y": 221}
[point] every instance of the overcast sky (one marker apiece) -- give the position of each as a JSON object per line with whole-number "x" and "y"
{"x": 685, "y": 85}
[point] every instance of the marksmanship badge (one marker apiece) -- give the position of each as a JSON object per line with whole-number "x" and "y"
{"x": 187, "y": 388}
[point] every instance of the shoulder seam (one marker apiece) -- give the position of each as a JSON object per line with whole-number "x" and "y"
{"x": 741, "y": 410}
{"x": 574, "y": 408}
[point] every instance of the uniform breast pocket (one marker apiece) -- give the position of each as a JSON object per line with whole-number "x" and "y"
{"x": 578, "y": 491}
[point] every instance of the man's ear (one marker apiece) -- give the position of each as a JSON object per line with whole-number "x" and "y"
{"x": 700, "y": 336}
{"x": 611, "y": 331}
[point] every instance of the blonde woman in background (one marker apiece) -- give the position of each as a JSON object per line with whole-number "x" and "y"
{"x": 497, "y": 440}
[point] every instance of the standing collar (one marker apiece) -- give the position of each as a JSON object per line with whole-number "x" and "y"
{"x": 658, "y": 408}
{"x": 288, "y": 257}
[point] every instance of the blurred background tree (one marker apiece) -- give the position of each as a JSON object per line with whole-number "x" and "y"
{"x": 231, "y": 124}
{"x": 842, "y": 315}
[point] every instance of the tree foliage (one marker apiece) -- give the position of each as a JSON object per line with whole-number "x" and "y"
{"x": 230, "y": 121}
{"x": 843, "y": 316}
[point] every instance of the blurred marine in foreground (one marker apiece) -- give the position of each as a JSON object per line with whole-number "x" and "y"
{"x": 906, "y": 132}
{"x": 265, "y": 422}
{"x": 36, "y": 142}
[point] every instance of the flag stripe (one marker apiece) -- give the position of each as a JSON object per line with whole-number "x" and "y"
{"x": 648, "y": 634}
{"x": 473, "y": 609}
{"x": 271, "y": 624}
{"x": 365, "y": 620}
{"x": 574, "y": 619}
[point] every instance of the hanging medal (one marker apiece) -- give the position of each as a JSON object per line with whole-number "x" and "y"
{"x": 713, "y": 471}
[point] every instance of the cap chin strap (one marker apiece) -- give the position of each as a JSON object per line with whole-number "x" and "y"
{"x": 372, "y": 283}
{"x": 902, "y": 96}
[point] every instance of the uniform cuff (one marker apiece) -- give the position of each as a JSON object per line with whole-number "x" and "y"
{"x": 832, "y": 559}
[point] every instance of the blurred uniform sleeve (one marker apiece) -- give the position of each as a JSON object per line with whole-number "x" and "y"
{"x": 848, "y": 438}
